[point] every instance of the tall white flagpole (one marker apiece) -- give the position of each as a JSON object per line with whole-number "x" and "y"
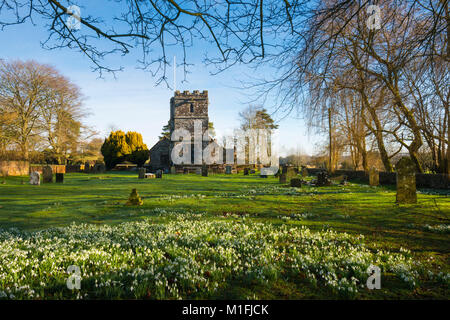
{"x": 174, "y": 73}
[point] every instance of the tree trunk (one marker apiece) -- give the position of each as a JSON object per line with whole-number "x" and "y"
{"x": 330, "y": 160}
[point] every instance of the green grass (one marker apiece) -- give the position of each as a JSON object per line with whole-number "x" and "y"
{"x": 354, "y": 209}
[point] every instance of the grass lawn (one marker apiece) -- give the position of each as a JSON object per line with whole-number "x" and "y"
{"x": 222, "y": 236}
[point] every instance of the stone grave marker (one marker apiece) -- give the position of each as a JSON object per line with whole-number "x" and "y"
{"x": 99, "y": 168}
{"x": 228, "y": 170}
{"x": 158, "y": 174}
{"x": 47, "y": 174}
{"x": 296, "y": 182}
{"x": 246, "y": 171}
{"x": 374, "y": 177}
{"x": 406, "y": 181}
{"x": 204, "y": 171}
{"x": 141, "y": 173}
{"x": 35, "y": 178}
{"x": 59, "y": 177}
{"x": 305, "y": 172}
{"x": 173, "y": 170}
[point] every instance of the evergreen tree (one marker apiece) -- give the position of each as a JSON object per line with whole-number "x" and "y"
{"x": 115, "y": 149}
{"x": 139, "y": 151}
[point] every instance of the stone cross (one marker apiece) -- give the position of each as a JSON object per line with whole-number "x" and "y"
{"x": 47, "y": 174}
{"x": 35, "y": 178}
{"x": 406, "y": 181}
{"x": 374, "y": 177}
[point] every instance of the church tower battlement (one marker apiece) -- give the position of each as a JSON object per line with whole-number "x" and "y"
{"x": 186, "y": 107}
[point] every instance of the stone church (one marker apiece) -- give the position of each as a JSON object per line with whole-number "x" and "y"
{"x": 185, "y": 107}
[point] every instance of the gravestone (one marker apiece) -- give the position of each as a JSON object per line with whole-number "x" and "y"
{"x": 87, "y": 167}
{"x": 228, "y": 170}
{"x": 99, "y": 168}
{"x": 291, "y": 173}
{"x": 35, "y": 178}
{"x": 134, "y": 199}
{"x": 406, "y": 181}
{"x": 374, "y": 177}
{"x": 305, "y": 172}
{"x": 141, "y": 173}
{"x": 158, "y": 174}
{"x": 246, "y": 171}
{"x": 59, "y": 177}
{"x": 204, "y": 171}
{"x": 173, "y": 170}
{"x": 288, "y": 173}
{"x": 47, "y": 174}
{"x": 296, "y": 182}
{"x": 198, "y": 171}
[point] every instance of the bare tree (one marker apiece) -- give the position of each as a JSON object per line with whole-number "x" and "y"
{"x": 43, "y": 107}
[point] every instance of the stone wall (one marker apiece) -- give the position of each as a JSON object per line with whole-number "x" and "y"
{"x": 14, "y": 168}
{"x": 56, "y": 168}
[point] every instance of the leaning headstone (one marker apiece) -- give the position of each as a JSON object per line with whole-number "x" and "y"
{"x": 173, "y": 170}
{"x": 228, "y": 170}
{"x": 141, "y": 173}
{"x": 59, "y": 177}
{"x": 406, "y": 181}
{"x": 204, "y": 171}
{"x": 134, "y": 199}
{"x": 35, "y": 178}
{"x": 158, "y": 174}
{"x": 47, "y": 174}
{"x": 374, "y": 177}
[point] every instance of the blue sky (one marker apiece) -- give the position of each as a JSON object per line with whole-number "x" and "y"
{"x": 133, "y": 102}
